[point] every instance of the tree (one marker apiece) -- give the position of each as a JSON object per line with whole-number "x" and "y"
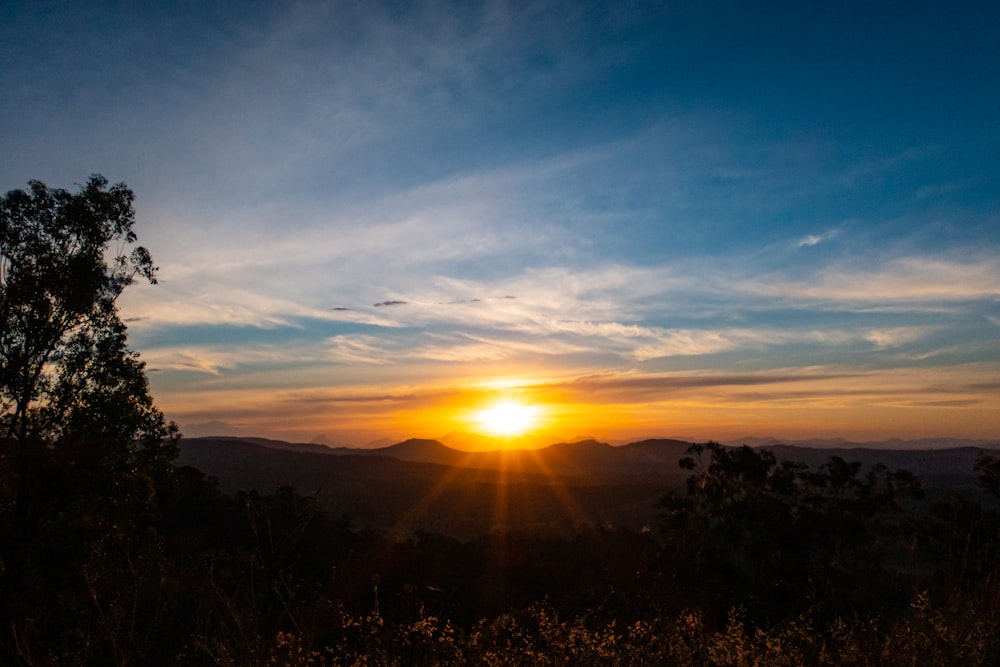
{"x": 82, "y": 446}
{"x": 777, "y": 534}
{"x": 988, "y": 467}
{"x": 66, "y": 373}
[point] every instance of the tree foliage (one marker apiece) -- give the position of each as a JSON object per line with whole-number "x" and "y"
{"x": 65, "y": 369}
{"x": 777, "y": 536}
{"x": 988, "y": 467}
{"x": 83, "y": 448}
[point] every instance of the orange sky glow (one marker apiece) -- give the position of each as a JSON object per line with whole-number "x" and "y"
{"x": 618, "y": 407}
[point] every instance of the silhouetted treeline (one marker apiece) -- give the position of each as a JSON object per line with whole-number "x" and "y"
{"x": 757, "y": 561}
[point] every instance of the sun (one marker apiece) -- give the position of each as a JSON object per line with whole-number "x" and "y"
{"x": 507, "y": 418}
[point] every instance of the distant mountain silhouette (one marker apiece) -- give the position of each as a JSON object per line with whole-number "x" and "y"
{"x": 583, "y": 458}
{"x": 660, "y": 450}
{"x": 485, "y": 492}
{"x": 588, "y": 457}
{"x": 881, "y": 445}
{"x": 269, "y": 443}
{"x": 937, "y": 467}
{"x": 423, "y": 484}
{"x": 472, "y": 442}
{"x": 646, "y": 458}
{"x": 418, "y": 449}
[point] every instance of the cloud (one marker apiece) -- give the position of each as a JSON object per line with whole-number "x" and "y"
{"x": 401, "y": 241}
{"x": 348, "y": 396}
{"x": 358, "y": 349}
{"x": 905, "y": 279}
{"x": 438, "y": 347}
{"x": 831, "y": 386}
{"x": 697, "y": 342}
{"x": 484, "y": 348}
{"x": 189, "y": 360}
{"x": 201, "y": 302}
{"x": 169, "y": 304}
{"x": 707, "y": 388}
{"x": 896, "y": 336}
{"x": 960, "y": 403}
{"x": 816, "y": 239}
{"x": 597, "y": 313}
{"x": 679, "y": 381}
{"x": 216, "y": 359}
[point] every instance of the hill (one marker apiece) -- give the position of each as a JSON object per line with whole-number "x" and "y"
{"x": 938, "y": 468}
{"x": 599, "y": 461}
{"x": 425, "y": 485}
{"x": 491, "y": 491}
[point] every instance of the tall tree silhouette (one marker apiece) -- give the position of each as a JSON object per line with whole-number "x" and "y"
{"x": 81, "y": 442}
{"x": 64, "y": 260}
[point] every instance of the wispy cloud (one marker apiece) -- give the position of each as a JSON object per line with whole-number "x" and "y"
{"x": 816, "y": 239}
{"x": 693, "y": 342}
{"x": 885, "y": 338}
{"x": 213, "y": 360}
{"x": 359, "y": 349}
{"x": 901, "y": 280}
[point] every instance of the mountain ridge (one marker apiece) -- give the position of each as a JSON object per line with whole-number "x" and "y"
{"x": 644, "y": 459}
{"x": 422, "y": 484}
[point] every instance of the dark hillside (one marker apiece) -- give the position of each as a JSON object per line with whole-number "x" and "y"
{"x": 406, "y": 496}
{"x": 586, "y": 463}
{"x": 662, "y": 451}
{"x": 275, "y": 444}
{"x": 596, "y": 461}
{"x": 417, "y": 449}
{"x": 937, "y": 468}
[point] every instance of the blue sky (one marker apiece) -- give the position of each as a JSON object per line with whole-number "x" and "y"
{"x": 708, "y": 219}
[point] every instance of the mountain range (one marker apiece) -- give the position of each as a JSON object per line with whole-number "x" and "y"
{"x": 424, "y": 485}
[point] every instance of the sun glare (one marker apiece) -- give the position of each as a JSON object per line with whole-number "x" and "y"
{"x": 507, "y": 418}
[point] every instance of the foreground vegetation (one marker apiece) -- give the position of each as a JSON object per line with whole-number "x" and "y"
{"x": 112, "y": 555}
{"x": 757, "y": 563}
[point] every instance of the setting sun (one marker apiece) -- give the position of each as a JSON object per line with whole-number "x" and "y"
{"x": 507, "y": 418}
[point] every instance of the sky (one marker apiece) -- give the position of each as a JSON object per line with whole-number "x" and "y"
{"x": 709, "y": 220}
